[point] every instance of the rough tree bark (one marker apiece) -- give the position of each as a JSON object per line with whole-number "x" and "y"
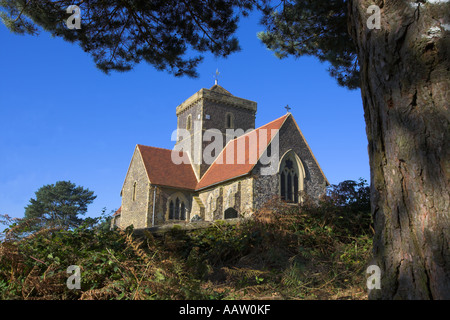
{"x": 406, "y": 92}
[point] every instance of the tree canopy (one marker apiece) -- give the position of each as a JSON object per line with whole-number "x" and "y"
{"x": 167, "y": 33}
{"x": 58, "y": 204}
{"x": 120, "y": 34}
{"x": 351, "y": 193}
{"x": 316, "y": 28}
{"x": 402, "y": 69}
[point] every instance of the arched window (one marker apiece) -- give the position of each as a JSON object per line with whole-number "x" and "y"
{"x": 229, "y": 121}
{"x": 182, "y": 212}
{"x": 209, "y": 203}
{"x": 171, "y": 210}
{"x": 189, "y": 122}
{"x": 177, "y": 205}
{"x": 291, "y": 178}
{"x": 177, "y": 209}
{"x": 133, "y": 197}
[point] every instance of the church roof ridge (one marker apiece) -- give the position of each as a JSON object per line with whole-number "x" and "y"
{"x": 142, "y": 145}
{"x": 277, "y": 119}
{"x": 220, "y": 172}
{"x": 217, "y": 172}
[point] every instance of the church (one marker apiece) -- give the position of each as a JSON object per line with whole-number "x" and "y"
{"x": 221, "y": 166}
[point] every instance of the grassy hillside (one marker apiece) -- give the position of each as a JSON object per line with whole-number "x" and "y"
{"x": 313, "y": 251}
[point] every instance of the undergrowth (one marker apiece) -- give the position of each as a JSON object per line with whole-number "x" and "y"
{"x": 312, "y": 251}
{"x": 284, "y": 252}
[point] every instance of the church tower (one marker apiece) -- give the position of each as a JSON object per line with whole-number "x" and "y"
{"x": 213, "y": 108}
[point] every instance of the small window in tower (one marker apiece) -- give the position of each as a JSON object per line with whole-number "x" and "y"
{"x": 229, "y": 121}
{"x": 189, "y": 122}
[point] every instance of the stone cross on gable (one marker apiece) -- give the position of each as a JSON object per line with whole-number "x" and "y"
{"x": 287, "y": 108}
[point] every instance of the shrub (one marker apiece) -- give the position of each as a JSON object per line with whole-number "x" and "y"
{"x": 313, "y": 250}
{"x": 113, "y": 264}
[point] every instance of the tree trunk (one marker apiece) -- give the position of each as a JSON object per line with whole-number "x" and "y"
{"x": 406, "y": 92}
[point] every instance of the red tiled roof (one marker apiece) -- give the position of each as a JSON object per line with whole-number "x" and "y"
{"x": 161, "y": 170}
{"x": 118, "y": 212}
{"x": 223, "y": 169}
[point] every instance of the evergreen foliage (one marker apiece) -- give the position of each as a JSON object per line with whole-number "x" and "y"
{"x": 166, "y": 33}
{"x": 120, "y": 34}
{"x": 317, "y": 28}
{"x": 58, "y": 204}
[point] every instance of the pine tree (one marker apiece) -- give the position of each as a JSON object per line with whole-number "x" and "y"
{"x": 316, "y": 28}
{"x": 121, "y": 33}
{"x": 58, "y": 204}
{"x": 403, "y": 71}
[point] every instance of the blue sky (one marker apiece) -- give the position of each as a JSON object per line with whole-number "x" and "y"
{"x": 63, "y": 119}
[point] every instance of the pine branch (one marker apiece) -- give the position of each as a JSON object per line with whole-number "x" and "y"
{"x": 23, "y": 9}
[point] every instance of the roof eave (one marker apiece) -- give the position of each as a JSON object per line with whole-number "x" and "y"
{"x": 223, "y": 181}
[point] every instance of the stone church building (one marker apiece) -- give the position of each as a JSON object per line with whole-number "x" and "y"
{"x": 196, "y": 181}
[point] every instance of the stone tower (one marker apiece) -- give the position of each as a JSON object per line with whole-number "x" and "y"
{"x": 213, "y": 108}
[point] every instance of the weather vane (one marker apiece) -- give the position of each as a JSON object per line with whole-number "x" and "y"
{"x": 287, "y": 108}
{"x": 216, "y": 77}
